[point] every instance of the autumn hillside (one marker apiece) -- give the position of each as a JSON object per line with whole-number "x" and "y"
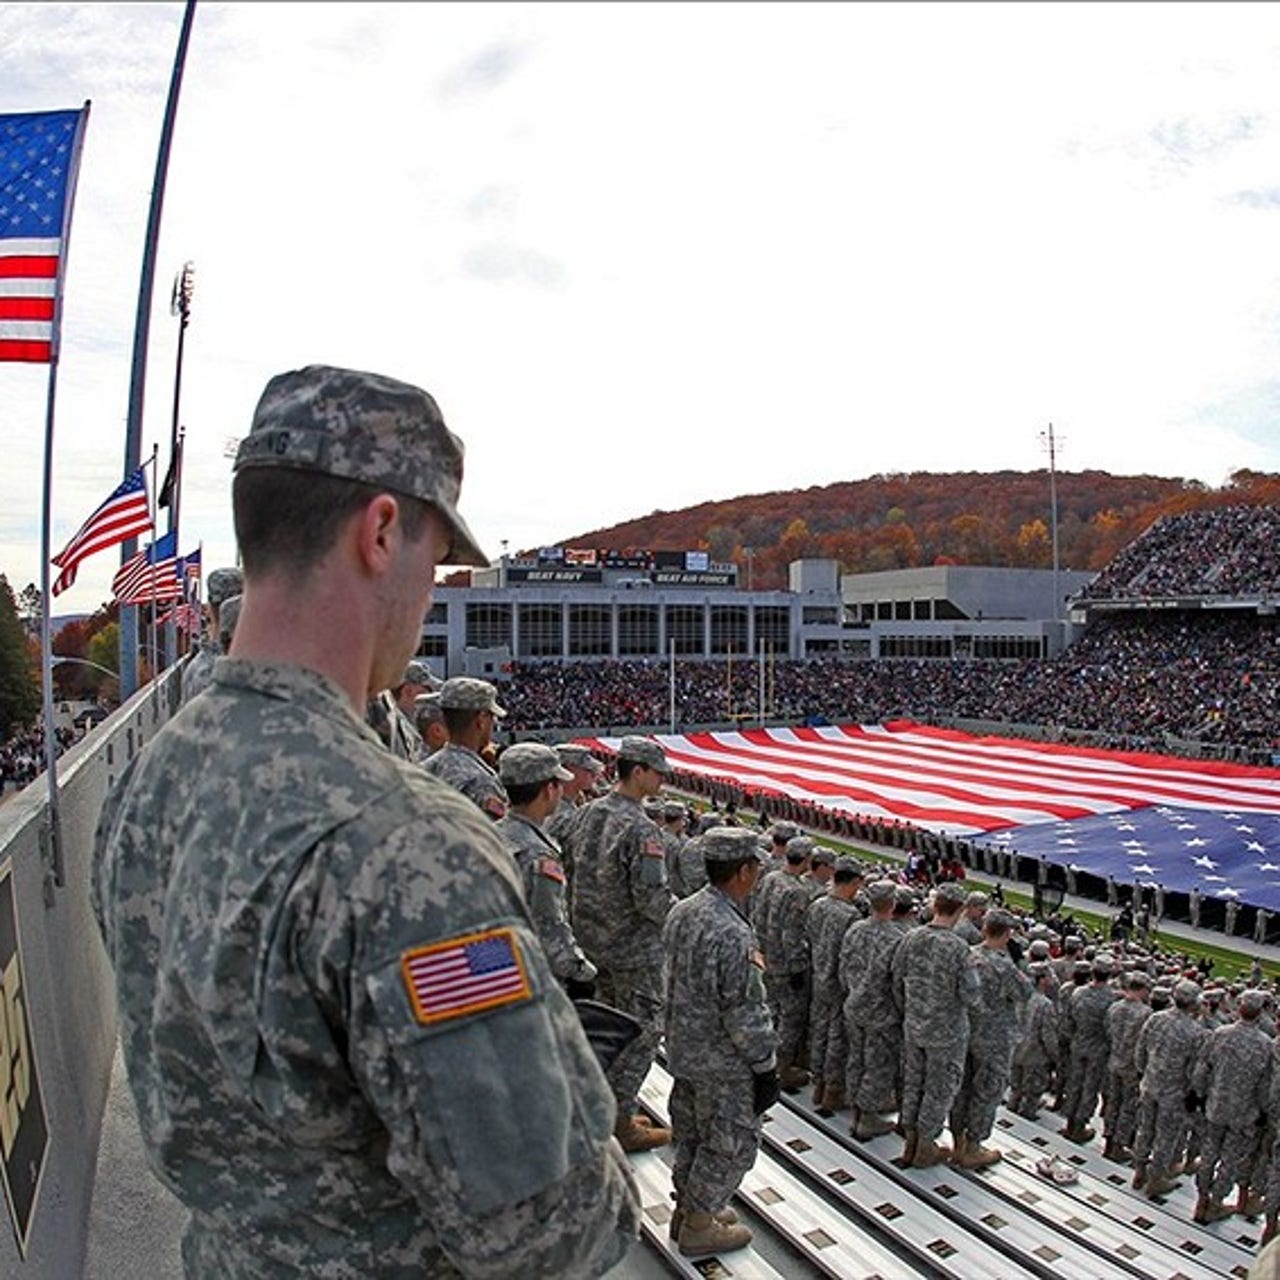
{"x": 902, "y": 521}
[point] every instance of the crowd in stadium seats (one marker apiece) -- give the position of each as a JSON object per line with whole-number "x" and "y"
{"x": 1137, "y": 681}
{"x": 1219, "y": 551}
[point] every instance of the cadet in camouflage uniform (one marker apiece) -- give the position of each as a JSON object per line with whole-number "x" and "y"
{"x": 780, "y": 835}
{"x": 619, "y": 902}
{"x": 428, "y": 719}
{"x": 1036, "y": 1053}
{"x": 1090, "y": 1048}
{"x": 685, "y": 868}
{"x": 470, "y": 710}
{"x": 822, "y": 866}
{"x": 532, "y": 775}
{"x": 780, "y": 933}
{"x": 935, "y": 987}
{"x": 720, "y": 1045}
{"x": 993, "y": 1031}
{"x": 969, "y": 926}
{"x": 222, "y": 585}
{"x": 825, "y": 923}
{"x": 284, "y": 902}
{"x": 1120, "y": 1091}
{"x": 1166, "y": 1052}
{"x": 388, "y": 713}
{"x": 585, "y": 769}
{"x": 1233, "y": 1077}
{"x": 873, "y": 1026}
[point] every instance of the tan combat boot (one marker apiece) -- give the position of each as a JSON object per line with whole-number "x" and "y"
{"x": 976, "y": 1156}
{"x": 870, "y": 1125}
{"x": 910, "y": 1142}
{"x": 703, "y": 1234}
{"x": 792, "y": 1079}
{"x": 959, "y": 1144}
{"x": 633, "y": 1136}
{"x": 929, "y": 1153}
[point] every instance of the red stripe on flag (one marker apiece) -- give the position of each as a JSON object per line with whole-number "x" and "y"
{"x": 25, "y": 308}
{"x": 13, "y": 349}
{"x": 42, "y": 267}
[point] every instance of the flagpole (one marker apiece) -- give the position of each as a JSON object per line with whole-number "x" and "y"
{"x": 141, "y": 332}
{"x": 46, "y": 630}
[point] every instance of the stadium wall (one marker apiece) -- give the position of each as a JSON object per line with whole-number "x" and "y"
{"x": 57, "y": 1020}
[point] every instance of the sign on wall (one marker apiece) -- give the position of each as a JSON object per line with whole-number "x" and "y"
{"x": 24, "y": 1132}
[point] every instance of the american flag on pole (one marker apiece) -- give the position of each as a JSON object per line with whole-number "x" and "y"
{"x": 1129, "y": 814}
{"x": 124, "y": 515}
{"x": 37, "y": 164}
{"x": 465, "y": 975}
{"x": 151, "y": 575}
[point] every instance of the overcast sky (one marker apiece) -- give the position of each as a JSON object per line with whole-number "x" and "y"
{"x": 646, "y": 255}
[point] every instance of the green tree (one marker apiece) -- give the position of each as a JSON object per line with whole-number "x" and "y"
{"x": 19, "y": 688}
{"x": 104, "y": 651}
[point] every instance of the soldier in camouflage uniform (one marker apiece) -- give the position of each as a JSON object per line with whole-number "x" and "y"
{"x": 822, "y": 867}
{"x": 1165, "y": 1055}
{"x": 1090, "y": 1048}
{"x": 428, "y": 719}
{"x": 780, "y": 933}
{"x": 532, "y": 775}
{"x": 825, "y": 923}
{"x": 1232, "y": 1076}
{"x": 619, "y": 902}
{"x": 388, "y": 713}
{"x": 1036, "y": 1053}
{"x": 720, "y": 1045}
{"x": 873, "y": 1026}
{"x": 284, "y": 902}
{"x": 685, "y": 867}
{"x": 470, "y": 710}
{"x": 969, "y": 926}
{"x": 934, "y": 987}
{"x": 1120, "y": 1090}
{"x": 585, "y": 769}
{"x": 222, "y": 585}
{"x": 994, "y": 1023}
{"x": 780, "y": 834}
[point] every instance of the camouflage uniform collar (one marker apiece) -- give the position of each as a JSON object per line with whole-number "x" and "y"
{"x": 458, "y": 748}
{"x": 290, "y": 684}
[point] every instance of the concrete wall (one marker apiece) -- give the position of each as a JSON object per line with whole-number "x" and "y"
{"x": 68, "y": 991}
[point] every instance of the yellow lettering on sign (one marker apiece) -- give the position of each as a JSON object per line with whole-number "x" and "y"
{"x": 15, "y": 1062}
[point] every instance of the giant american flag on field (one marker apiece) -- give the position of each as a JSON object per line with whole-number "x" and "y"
{"x": 1131, "y": 815}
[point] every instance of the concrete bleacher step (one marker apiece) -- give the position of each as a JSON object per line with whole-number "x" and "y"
{"x": 1227, "y": 1247}
{"x": 850, "y": 1211}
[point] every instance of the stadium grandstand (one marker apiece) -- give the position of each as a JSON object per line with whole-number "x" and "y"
{"x": 1171, "y": 650}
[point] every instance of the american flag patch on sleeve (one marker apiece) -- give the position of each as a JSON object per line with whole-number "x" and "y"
{"x": 465, "y": 975}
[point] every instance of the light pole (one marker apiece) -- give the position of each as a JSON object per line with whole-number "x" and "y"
{"x": 749, "y": 554}
{"x": 1047, "y": 438}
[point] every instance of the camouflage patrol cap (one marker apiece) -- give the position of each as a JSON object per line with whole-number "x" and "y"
{"x": 223, "y": 584}
{"x": 977, "y": 899}
{"x": 524, "y": 763}
{"x": 1252, "y": 1002}
{"x": 1137, "y": 980}
{"x": 948, "y": 896}
{"x": 1039, "y": 969}
{"x": 418, "y": 672}
{"x": 881, "y": 893}
{"x": 905, "y": 896}
{"x": 365, "y": 427}
{"x": 706, "y": 821}
{"x": 573, "y": 755}
{"x": 1082, "y": 968}
{"x": 730, "y": 844}
{"x": 781, "y": 832}
{"x": 846, "y": 862}
{"x": 228, "y": 616}
{"x": 999, "y": 919}
{"x": 427, "y": 708}
{"x": 1039, "y": 950}
{"x": 643, "y": 751}
{"x": 799, "y": 847}
{"x": 673, "y": 810}
{"x": 823, "y": 856}
{"x": 1186, "y": 992}
{"x": 466, "y": 693}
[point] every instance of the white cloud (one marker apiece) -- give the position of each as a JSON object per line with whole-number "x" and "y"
{"x": 646, "y": 255}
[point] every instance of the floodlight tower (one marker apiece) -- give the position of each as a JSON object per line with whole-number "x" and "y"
{"x": 1048, "y": 440}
